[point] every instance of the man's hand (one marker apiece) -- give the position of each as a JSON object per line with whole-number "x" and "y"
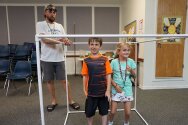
{"x": 66, "y": 41}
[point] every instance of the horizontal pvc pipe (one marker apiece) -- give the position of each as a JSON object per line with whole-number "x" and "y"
{"x": 114, "y": 35}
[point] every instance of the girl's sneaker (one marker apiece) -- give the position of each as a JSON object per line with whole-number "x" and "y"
{"x": 110, "y": 123}
{"x": 126, "y": 123}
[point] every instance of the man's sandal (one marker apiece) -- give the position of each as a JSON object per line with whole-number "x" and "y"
{"x": 50, "y": 108}
{"x": 75, "y": 106}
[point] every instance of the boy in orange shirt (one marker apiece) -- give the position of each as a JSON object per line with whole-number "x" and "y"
{"x": 96, "y": 73}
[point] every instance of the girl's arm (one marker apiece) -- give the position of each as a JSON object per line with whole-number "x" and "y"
{"x": 132, "y": 71}
{"x": 118, "y": 89}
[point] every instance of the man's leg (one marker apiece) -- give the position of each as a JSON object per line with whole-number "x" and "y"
{"x": 69, "y": 91}
{"x": 51, "y": 89}
{"x": 60, "y": 75}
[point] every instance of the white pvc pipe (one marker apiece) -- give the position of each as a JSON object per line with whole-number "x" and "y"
{"x": 8, "y": 27}
{"x": 85, "y": 35}
{"x": 115, "y": 35}
{"x": 144, "y": 41}
{"x": 135, "y": 87}
{"x": 67, "y": 93}
{"x": 40, "y": 82}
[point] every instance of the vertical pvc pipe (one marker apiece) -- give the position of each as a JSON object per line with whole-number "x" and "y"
{"x": 39, "y": 82}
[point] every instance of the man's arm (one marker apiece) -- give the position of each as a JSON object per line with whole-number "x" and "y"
{"x": 65, "y": 41}
{"x": 50, "y": 40}
{"x": 40, "y": 30}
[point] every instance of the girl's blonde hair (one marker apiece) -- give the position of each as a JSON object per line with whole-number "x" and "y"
{"x": 119, "y": 46}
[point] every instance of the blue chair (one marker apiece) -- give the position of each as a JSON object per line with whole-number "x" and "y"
{"x": 22, "y": 71}
{"x": 4, "y": 68}
{"x": 30, "y": 45}
{"x": 12, "y": 48}
{"x": 21, "y": 54}
{"x": 4, "y": 51}
{"x": 34, "y": 63}
{"x": 33, "y": 58}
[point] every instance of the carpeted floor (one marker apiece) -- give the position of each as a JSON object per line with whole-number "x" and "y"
{"x": 158, "y": 107}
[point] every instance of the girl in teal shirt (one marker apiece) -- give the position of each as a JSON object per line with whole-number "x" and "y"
{"x": 123, "y": 68}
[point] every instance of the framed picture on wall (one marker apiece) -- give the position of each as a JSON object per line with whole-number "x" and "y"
{"x": 131, "y": 29}
{"x": 172, "y": 25}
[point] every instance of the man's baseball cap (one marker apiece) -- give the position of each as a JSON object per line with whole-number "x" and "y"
{"x": 50, "y": 7}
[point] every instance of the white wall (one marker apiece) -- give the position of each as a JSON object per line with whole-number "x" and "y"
{"x": 97, "y": 3}
{"x": 185, "y": 71}
{"x": 149, "y": 80}
{"x": 133, "y": 10}
{"x": 147, "y": 10}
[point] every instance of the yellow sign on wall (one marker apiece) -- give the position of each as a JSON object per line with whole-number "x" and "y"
{"x": 172, "y": 25}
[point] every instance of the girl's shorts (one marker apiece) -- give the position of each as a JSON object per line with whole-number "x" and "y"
{"x": 120, "y": 97}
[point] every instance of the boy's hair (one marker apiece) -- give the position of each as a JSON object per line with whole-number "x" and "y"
{"x": 120, "y": 45}
{"x": 95, "y": 39}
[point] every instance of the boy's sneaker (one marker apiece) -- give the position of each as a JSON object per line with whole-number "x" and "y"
{"x": 110, "y": 123}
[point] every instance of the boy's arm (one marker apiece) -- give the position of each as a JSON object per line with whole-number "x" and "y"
{"x": 85, "y": 80}
{"x": 107, "y": 94}
{"x": 85, "y": 77}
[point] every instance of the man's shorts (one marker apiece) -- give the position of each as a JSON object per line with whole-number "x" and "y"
{"x": 92, "y": 103}
{"x": 53, "y": 70}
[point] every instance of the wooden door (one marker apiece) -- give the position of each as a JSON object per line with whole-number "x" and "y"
{"x": 169, "y": 55}
{"x": 169, "y": 61}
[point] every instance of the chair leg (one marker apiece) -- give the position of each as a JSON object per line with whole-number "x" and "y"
{"x": 5, "y": 84}
{"x": 7, "y": 87}
{"x": 34, "y": 83}
{"x": 29, "y": 87}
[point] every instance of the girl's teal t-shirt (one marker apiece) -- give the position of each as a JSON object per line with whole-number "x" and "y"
{"x": 125, "y": 85}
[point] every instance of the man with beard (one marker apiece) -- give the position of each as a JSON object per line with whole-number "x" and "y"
{"x": 52, "y": 56}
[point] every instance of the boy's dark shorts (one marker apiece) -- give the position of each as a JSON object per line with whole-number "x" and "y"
{"x": 92, "y": 103}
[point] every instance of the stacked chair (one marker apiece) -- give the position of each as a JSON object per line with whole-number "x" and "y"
{"x": 12, "y": 49}
{"x": 18, "y": 62}
{"x": 34, "y": 63}
{"x": 4, "y": 52}
{"x": 22, "y": 70}
{"x": 4, "y": 68}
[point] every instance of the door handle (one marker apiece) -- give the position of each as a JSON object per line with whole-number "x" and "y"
{"x": 158, "y": 45}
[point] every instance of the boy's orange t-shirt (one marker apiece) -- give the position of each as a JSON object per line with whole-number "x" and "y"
{"x": 95, "y": 62}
